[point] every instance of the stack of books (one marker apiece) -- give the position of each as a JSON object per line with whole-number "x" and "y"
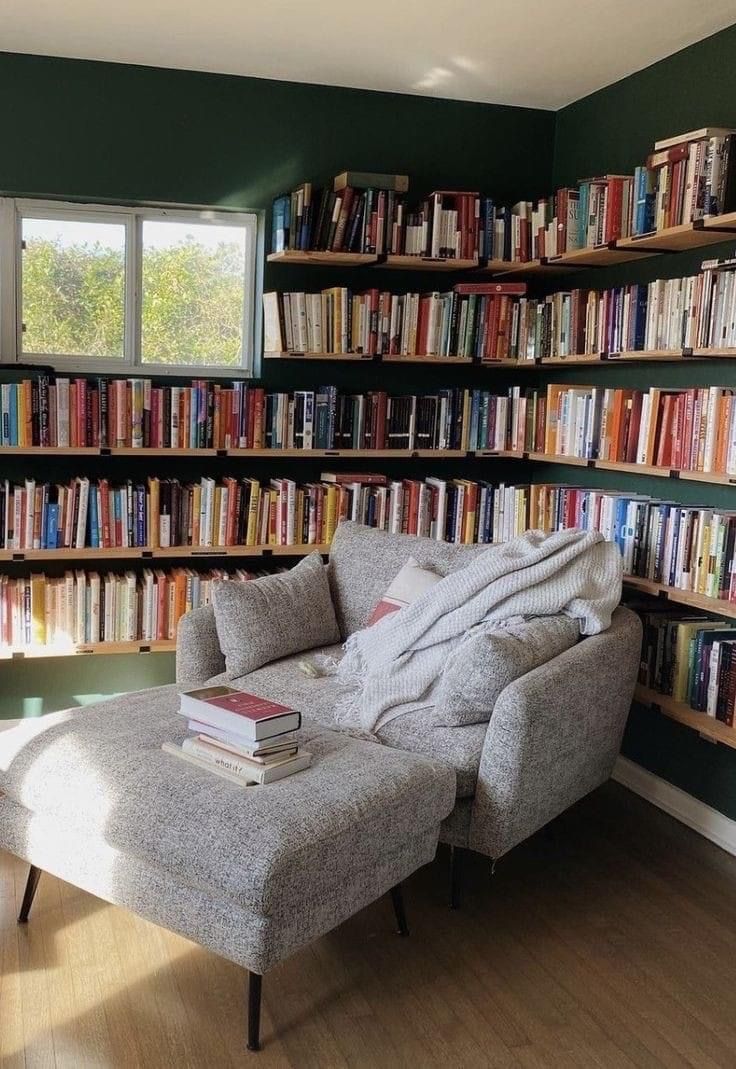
{"x": 239, "y": 736}
{"x": 361, "y": 212}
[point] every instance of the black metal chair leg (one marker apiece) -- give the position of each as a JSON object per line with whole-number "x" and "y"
{"x": 397, "y": 899}
{"x": 457, "y": 857}
{"x": 254, "y": 1010}
{"x": 34, "y": 875}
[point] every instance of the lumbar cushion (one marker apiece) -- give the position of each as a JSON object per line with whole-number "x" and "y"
{"x": 406, "y": 586}
{"x": 485, "y": 663}
{"x": 272, "y": 617}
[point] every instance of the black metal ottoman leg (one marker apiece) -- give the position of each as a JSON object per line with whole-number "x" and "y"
{"x": 254, "y": 1010}
{"x": 457, "y": 856}
{"x": 34, "y": 875}
{"x": 397, "y": 898}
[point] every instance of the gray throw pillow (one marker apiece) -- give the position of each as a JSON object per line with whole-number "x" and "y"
{"x": 265, "y": 619}
{"x": 483, "y": 665}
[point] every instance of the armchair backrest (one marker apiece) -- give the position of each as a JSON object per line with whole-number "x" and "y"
{"x": 363, "y": 562}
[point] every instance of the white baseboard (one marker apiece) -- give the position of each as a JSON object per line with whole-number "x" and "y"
{"x": 702, "y": 818}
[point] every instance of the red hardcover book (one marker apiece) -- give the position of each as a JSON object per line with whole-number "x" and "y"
{"x": 491, "y": 288}
{"x": 344, "y": 478}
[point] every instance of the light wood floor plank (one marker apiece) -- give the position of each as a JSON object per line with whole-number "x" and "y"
{"x": 608, "y": 943}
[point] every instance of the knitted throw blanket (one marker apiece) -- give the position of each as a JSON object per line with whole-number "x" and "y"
{"x": 394, "y": 666}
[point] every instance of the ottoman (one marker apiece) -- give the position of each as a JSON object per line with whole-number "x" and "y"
{"x": 251, "y": 873}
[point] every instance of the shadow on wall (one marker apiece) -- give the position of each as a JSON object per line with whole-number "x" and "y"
{"x": 29, "y": 687}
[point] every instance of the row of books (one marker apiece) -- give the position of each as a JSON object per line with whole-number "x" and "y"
{"x": 133, "y": 413}
{"x": 692, "y": 658}
{"x": 681, "y": 546}
{"x": 360, "y": 212}
{"x": 695, "y": 312}
{"x": 684, "y": 429}
{"x": 472, "y": 320}
{"x": 685, "y": 547}
{"x": 685, "y": 178}
{"x": 239, "y": 736}
{"x": 165, "y": 513}
{"x": 82, "y": 607}
{"x": 497, "y": 321}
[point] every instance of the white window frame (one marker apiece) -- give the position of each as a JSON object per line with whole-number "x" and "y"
{"x": 12, "y": 212}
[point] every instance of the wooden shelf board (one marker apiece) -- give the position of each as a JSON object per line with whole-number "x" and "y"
{"x": 427, "y": 263}
{"x": 355, "y": 357}
{"x": 522, "y": 365}
{"x": 709, "y": 231}
{"x": 304, "y": 453}
{"x": 500, "y": 454}
{"x": 517, "y": 267}
{"x": 101, "y": 648}
{"x": 682, "y": 597}
{"x": 546, "y": 458}
{"x": 714, "y": 478}
{"x": 158, "y": 553}
{"x": 598, "y": 256}
{"x": 52, "y": 450}
{"x": 426, "y": 360}
{"x": 324, "y": 258}
{"x": 348, "y": 453}
{"x": 684, "y": 714}
{"x": 727, "y": 221}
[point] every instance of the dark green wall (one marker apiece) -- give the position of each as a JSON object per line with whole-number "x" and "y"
{"x": 612, "y": 131}
{"x": 105, "y": 131}
{"x": 112, "y": 132}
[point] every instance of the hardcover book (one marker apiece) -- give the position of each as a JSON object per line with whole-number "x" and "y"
{"x": 245, "y": 714}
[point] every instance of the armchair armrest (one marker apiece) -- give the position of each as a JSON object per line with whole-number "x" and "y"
{"x": 554, "y": 736}
{"x": 198, "y": 653}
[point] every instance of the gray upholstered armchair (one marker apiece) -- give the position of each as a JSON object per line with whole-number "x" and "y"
{"x": 554, "y": 732}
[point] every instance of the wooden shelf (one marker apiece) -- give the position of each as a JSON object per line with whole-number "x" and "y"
{"x": 684, "y": 714}
{"x": 713, "y": 478}
{"x": 717, "y": 606}
{"x": 426, "y": 360}
{"x": 354, "y": 357}
{"x": 257, "y": 453}
{"x": 323, "y": 259}
{"x": 377, "y": 454}
{"x": 368, "y": 358}
{"x": 100, "y": 648}
{"x": 598, "y": 256}
{"x": 147, "y": 553}
{"x": 426, "y": 263}
{"x": 709, "y": 231}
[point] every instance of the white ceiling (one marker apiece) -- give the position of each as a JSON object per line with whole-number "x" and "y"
{"x": 538, "y": 53}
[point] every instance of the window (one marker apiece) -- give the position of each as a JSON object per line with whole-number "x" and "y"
{"x": 86, "y": 287}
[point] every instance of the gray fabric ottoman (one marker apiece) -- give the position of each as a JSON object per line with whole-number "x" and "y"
{"x": 253, "y": 873}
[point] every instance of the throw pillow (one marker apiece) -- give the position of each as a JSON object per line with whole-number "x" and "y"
{"x": 484, "y": 664}
{"x": 269, "y": 618}
{"x": 410, "y": 581}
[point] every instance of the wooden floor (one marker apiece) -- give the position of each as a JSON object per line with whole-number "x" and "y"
{"x": 608, "y": 941}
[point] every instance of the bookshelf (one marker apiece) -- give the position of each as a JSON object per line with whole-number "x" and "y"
{"x": 712, "y": 230}
{"x": 705, "y": 725}
{"x": 88, "y": 553}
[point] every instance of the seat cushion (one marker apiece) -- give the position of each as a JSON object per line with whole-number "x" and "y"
{"x": 283, "y": 681}
{"x": 363, "y": 563}
{"x": 101, "y": 770}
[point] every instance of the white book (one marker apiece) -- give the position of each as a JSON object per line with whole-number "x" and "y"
{"x": 273, "y": 341}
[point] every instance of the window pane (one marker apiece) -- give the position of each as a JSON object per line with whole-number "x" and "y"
{"x": 73, "y": 288}
{"x": 193, "y": 293}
